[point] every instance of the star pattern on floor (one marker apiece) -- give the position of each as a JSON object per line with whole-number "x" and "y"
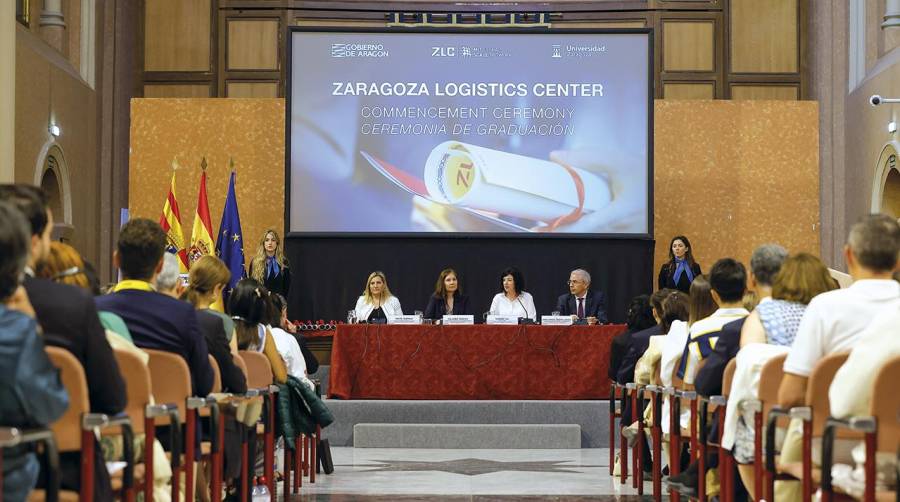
{"x": 472, "y": 466}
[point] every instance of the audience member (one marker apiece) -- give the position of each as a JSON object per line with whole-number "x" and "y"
{"x": 639, "y": 341}
{"x": 249, "y": 307}
{"x": 66, "y": 313}
{"x": 312, "y": 363}
{"x": 681, "y": 269}
{"x": 447, "y": 298}
{"x": 513, "y": 299}
{"x": 269, "y": 267}
{"x": 69, "y": 320}
{"x": 287, "y": 344}
{"x": 834, "y": 322}
{"x": 31, "y": 394}
{"x": 675, "y": 307}
{"x": 728, "y": 279}
{"x": 638, "y": 318}
{"x": 377, "y": 303}
{"x": 581, "y": 301}
{"x": 801, "y": 278}
{"x": 765, "y": 262}
{"x": 155, "y": 320}
{"x": 207, "y": 279}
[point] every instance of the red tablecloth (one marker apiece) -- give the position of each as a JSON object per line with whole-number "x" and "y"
{"x": 471, "y": 362}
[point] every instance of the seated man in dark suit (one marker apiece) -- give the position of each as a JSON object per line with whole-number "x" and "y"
{"x": 69, "y": 320}
{"x": 581, "y": 302}
{"x": 155, "y": 321}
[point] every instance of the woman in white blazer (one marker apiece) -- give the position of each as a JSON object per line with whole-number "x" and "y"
{"x": 377, "y": 302}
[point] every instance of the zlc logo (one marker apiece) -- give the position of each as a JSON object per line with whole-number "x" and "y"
{"x": 438, "y": 52}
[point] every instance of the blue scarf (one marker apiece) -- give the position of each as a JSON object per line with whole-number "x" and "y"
{"x": 272, "y": 268}
{"x": 681, "y": 265}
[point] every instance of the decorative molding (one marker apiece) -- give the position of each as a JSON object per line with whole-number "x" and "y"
{"x": 60, "y": 167}
{"x": 887, "y": 162}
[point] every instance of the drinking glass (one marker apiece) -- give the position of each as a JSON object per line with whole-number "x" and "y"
{"x": 351, "y": 317}
{"x": 554, "y": 313}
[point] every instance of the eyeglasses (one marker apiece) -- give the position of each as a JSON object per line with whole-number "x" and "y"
{"x": 68, "y": 273}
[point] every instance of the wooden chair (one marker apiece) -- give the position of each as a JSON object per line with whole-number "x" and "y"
{"x": 171, "y": 379}
{"x": 654, "y": 393}
{"x": 881, "y": 432}
{"x": 260, "y": 377}
{"x": 726, "y": 460}
{"x": 766, "y": 399}
{"x": 75, "y": 429}
{"x": 217, "y": 445}
{"x": 12, "y": 436}
{"x": 814, "y": 414}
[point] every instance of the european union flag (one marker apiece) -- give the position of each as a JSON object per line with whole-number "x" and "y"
{"x": 230, "y": 242}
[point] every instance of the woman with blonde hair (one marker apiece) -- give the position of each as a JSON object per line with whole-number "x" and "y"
{"x": 269, "y": 266}
{"x": 376, "y": 302}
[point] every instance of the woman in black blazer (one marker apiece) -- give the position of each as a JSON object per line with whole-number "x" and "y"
{"x": 681, "y": 269}
{"x": 447, "y": 298}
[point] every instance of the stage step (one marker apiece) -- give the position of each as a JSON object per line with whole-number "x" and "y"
{"x": 467, "y": 436}
{"x": 589, "y": 416}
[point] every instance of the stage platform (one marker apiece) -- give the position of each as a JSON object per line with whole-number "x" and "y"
{"x": 424, "y": 424}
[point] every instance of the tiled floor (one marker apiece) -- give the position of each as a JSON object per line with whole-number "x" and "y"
{"x": 467, "y": 475}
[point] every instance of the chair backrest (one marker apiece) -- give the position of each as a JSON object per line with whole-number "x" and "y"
{"x": 217, "y": 375}
{"x": 886, "y": 405}
{"x": 171, "y": 379}
{"x": 259, "y": 371}
{"x": 728, "y": 376}
{"x": 68, "y": 428}
{"x": 239, "y": 362}
{"x": 769, "y": 381}
{"x": 138, "y": 388}
{"x": 817, "y": 389}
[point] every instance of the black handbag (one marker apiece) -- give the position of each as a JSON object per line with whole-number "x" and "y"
{"x": 323, "y": 457}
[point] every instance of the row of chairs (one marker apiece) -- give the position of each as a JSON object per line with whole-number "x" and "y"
{"x": 159, "y": 394}
{"x": 880, "y": 431}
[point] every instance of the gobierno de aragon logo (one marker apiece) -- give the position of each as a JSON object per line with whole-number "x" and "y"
{"x": 359, "y": 50}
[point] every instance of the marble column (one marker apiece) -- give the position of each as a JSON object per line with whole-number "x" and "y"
{"x": 8, "y": 97}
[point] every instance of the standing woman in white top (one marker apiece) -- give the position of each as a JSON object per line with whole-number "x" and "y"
{"x": 377, "y": 302}
{"x": 514, "y": 300}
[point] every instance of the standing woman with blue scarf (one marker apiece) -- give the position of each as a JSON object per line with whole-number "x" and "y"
{"x": 269, "y": 267}
{"x": 681, "y": 269}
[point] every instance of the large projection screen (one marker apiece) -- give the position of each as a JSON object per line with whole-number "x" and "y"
{"x": 470, "y": 132}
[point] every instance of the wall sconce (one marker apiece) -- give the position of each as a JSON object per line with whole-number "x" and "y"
{"x": 54, "y": 130}
{"x": 892, "y": 127}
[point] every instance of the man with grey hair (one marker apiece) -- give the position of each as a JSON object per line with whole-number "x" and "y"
{"x": 168, "y": 282}
{"x": 581, "y": 302}
{"x": 836, "y": 320}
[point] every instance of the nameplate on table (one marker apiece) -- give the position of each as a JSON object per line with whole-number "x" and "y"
{"x": 458, "y": 319}
{"x": 556, "y": 320}
{"x": 404, "y": 319}
{"x": 502, "y": 319}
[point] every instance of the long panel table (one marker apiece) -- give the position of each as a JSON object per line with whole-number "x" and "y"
{"x": 471, "y": 362}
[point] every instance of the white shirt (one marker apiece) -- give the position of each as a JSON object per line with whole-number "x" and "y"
{"x": 672, "y": 350}
{"x": 290, "y": 351}
{"x": 834, "y": 320}
{"x": 699, "y": 343}
{"x": 522, "y": 306}
{"x": 851, "y": 390}
{"x": 391, "y": 307}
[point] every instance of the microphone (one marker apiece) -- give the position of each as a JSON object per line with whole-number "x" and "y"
{"x": 519, "y": 299}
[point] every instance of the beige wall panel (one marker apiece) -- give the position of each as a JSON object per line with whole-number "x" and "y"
{"x": 764, "y": 36}
{"x": 732, "y": 175}
{"x": 688, "y": 45}
{"x": 252, "y": 89}
{"x": 47, "y": 90}
{"x": 780, "y": 92}
{"x": 176, "y": 35}
{"x": 689, "y": 91}
{"x": 176, "y": 91}
{"x": 249, "y": 130}
{"x": 252, "y": 45}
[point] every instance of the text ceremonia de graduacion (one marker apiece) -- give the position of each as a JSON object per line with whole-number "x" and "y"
{"x": 543, "y": 120}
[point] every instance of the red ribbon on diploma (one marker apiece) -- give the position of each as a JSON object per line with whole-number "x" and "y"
{"x": 577, "y": 212}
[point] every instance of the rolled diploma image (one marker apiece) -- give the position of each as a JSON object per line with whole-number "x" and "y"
{"x": 509, "y": 184}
